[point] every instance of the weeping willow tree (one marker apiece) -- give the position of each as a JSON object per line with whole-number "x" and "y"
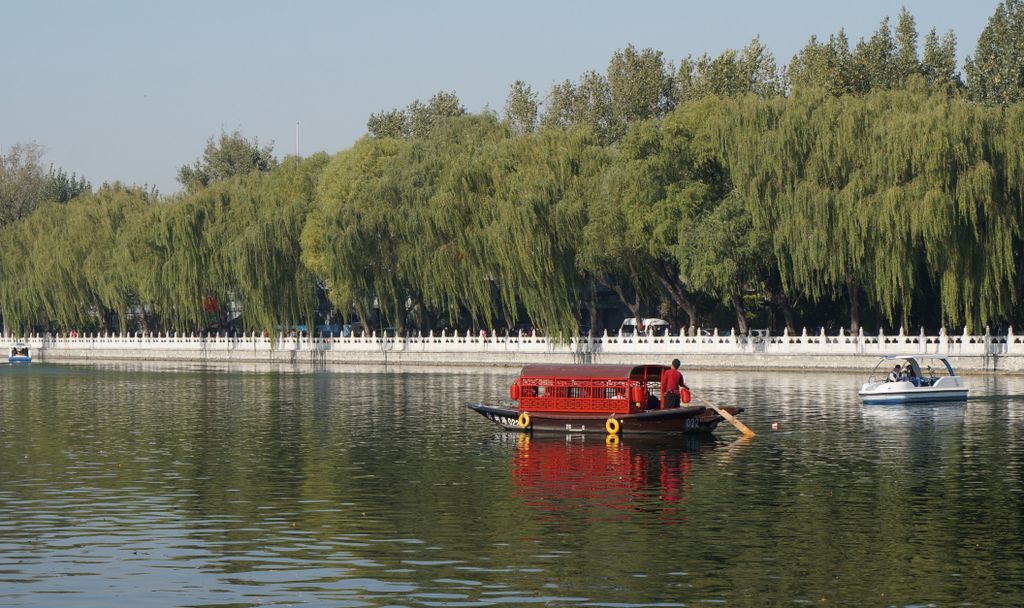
{"x": 259, "y": 245}
{"x": 168, "y": 260}
{"x": 863, "y": 193}
{"x": 92, "y": 262}
{"x": 714, "y": 246}
{"x": 57, "y": 267}
{"x": 621, "y": 247}
{"x": 466, "y": 221}
{"x": 651, "y": 229}
{"x": 347, "y": 241}
{"x": 502, "y": 225}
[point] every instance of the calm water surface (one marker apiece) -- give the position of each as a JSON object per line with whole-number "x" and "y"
{"x": 126, "y": 485}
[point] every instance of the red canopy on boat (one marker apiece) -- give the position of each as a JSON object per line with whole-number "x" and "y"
{"x": 603, "y": 371}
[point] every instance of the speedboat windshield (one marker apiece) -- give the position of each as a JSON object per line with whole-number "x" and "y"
{"x": 910, "y": 366}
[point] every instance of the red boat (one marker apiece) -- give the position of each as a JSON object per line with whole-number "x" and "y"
{"x": 612, "y": 399}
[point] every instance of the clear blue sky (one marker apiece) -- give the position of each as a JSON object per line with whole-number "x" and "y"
{"x": 131, "y": 90}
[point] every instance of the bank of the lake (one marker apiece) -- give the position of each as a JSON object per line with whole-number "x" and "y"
{"x": 985, "y": 353}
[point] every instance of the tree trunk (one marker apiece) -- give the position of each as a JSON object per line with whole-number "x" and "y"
{"x": 592, "y": 306}
{"x": 787, "y": 314}
{"x": 421, "y": 324}
{"x": 741, "y": 316}
{"x": 853, "y": 290}
{"x": 781, "y": 301}
{"x": 362, "y": 316}
{"x": 670, "y": 282}
{"x": 691, "y": 314}
{"x": 633, "y": 306}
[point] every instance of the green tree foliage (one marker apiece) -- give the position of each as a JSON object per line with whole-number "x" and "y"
{"x": 59, "y": 267}
{"x": 348, "y": 240}
{"x": 21, "y": 182}
{"x": 640, "y": 83}
{"x": 61, "y": 187}
{"x": 522, "y": 108}
{"x": 995, "y": 73}
{"x": 864, "y": 179}
{"x": 24, "y": 184}
{"x": 827, "y": 66}
{"x": 939, "y": 61}
{"x": 887, "y": 60}
{"x": 587, "y": 104}
{"x": 864, "y": 194}
{"x": 750, "y": 70}
{"x": 229, "y": 155}
{"x": 717, "y": 248}
{"x": 418, "y": 119}
{"x": 469, "y": 221}
{"x": 637, "y": 85}
{"x": 875, "y": 61}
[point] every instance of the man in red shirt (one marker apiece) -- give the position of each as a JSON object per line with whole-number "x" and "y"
{"x": 671, "y": 381}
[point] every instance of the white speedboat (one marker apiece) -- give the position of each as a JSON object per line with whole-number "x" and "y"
{"x": 20, "y": 354}
{"x": 912, "y": 383}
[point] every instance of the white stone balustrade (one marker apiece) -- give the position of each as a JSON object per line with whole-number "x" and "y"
{"x": 979, "y": 352}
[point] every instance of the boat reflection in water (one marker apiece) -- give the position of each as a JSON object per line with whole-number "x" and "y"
{"x": 907, "y": 417}
{"x": 566, "y": 474}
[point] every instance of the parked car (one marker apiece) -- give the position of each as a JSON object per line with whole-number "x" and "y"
{"x": 647, "y": 325}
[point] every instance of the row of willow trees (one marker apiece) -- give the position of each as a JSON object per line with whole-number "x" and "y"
{"x": 894, "y": 200}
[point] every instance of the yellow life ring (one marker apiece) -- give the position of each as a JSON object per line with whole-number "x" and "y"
{"x": 524, "y": 421}
{"x": 611, "y": 440}
{"x": 612, "y": 426}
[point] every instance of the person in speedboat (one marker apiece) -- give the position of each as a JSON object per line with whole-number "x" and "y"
{"x": 894, "y": 375}
{"x": 906, "y": 374}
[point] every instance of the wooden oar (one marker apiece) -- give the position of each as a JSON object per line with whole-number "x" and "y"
{"x": 724, "y": 414}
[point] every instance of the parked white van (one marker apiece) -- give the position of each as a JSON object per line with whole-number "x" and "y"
{"x": 648, "y": 326}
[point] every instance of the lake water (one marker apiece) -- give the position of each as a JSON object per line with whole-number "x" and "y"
{"x": 124, "y": 485}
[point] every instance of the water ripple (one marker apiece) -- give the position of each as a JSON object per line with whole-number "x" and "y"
{"x": 126, "y": 485}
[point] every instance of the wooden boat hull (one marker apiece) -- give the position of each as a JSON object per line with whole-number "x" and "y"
{"x": 694, "y": 419}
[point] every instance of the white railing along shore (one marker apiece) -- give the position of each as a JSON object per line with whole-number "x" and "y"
{"x": 952, "y": 344}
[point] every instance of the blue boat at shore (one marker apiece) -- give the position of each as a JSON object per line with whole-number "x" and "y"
{"x": 20, "y": 353}
{"x": 909, "y": 383}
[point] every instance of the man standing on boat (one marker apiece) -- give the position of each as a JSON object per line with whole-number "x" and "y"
{"x": 671, "y": 381}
